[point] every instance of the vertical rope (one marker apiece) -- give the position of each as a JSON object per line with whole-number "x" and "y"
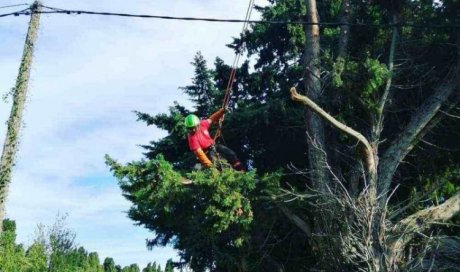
{"x": 231, "y": 79}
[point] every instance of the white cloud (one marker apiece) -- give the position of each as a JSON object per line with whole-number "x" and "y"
{"x": 88, "y": 74}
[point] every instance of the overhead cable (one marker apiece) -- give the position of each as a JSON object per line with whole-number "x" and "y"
{"x": 52, "y": 10}
{"x": 17, "y": 5}
{"x": 17, "y": 13}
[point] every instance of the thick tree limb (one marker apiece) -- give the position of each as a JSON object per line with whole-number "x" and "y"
{"x": 368, "y": 150}
{"x": 421, "y": 221}
{"x": 406, "y": 141}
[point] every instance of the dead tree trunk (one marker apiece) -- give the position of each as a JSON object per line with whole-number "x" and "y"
{"x": 10, "y": 146}
{"x": 315, "y": 127}
{"x": 378, "y": 248}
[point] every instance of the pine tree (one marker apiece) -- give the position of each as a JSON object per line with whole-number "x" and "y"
{"x": 202, "y": 91}
{"x": 109, "y": 265}
{"x": 169, "y": 266}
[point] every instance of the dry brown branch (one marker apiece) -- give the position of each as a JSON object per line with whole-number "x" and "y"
{"x": 450, "y": 115}
{"x": 369, "y": 157}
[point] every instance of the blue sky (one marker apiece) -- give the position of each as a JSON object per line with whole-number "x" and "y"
{"x": 89, "y": 73}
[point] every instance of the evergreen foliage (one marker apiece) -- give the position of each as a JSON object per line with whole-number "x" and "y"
{"x": 201, "y": 220}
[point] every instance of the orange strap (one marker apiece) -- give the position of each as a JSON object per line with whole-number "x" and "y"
{"x": 217, "y": 115}
{"x": 201, "y": 156}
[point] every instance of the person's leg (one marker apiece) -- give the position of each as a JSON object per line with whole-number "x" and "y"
{"x": 211, "y": 153}
{"x": 230, "y": 156}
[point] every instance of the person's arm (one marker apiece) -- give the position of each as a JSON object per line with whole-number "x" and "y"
{"x": 215, "y": 117}
{"x": 201, "y": 156}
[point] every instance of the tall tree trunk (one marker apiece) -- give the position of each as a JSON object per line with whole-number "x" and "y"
{"x": 10, "y": 146}
{"x": 315, "y": 126}
{"x": 316, "y": 134}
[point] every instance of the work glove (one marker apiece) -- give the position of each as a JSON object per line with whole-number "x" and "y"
{"x": 202, "y": 158}
{"x": 215, "y": 117}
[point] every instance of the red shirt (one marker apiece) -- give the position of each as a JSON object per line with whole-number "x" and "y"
{"x": 201, "y": 138}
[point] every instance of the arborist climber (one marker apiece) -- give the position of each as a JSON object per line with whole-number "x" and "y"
{"x": 201, "y": 143}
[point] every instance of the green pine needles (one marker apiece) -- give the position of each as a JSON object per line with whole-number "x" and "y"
{"x": 213, "y": 215}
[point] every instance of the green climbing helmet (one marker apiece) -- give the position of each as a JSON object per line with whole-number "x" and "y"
{"x": 192, "y": 121}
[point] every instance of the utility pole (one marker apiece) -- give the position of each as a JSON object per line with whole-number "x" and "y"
{"x": 10, "y": 146}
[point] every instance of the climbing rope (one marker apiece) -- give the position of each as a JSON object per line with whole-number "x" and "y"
{"x": 231, "y": 79}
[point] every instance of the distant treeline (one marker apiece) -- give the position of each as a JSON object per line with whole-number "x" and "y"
{"x": 54, "y": 249}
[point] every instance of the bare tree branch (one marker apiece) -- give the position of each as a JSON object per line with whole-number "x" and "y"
{"x": 369, "y": 157}
{"x": 379, "y": 126}
{"x": 406, "y": 141}
{"x": 423, "y": 219}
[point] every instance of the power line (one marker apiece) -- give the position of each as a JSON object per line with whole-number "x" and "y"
{"x": 52, "y": 10}
{"x": 11, "y": 6}
{"x": 17, "y": 13}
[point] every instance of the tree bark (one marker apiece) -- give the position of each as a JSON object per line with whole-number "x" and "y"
{"x": 11, "y": 143}
{"x": 315, "y": 127}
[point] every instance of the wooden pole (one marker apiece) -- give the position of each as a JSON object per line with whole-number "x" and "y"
{"x": 11, "y": 143}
